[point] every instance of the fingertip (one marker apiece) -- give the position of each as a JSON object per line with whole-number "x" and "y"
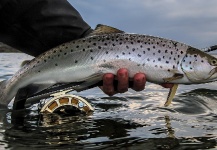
{"x": 139, "y": 81}
{"x": 167, "y": 85}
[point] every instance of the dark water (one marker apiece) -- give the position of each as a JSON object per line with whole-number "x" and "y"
{"x": 127, "y": 121}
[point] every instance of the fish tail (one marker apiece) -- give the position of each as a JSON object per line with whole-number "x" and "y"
{"x": 3, "y": 93}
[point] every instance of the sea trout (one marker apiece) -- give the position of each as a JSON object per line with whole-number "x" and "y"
{"x": 108, "y": 49}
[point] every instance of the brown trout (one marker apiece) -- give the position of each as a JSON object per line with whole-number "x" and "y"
{"x": 108, "y": 49}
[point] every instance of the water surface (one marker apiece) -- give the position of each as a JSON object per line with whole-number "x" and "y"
{"x": 133, "y": 120}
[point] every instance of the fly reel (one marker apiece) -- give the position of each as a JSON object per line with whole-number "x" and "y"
{"x": 63, "y": 103}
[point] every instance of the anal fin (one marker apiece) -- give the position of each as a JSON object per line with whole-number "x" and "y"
{"x": 171, "y": 95}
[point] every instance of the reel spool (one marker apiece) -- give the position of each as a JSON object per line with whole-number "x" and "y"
{"x": 63, "y": 103}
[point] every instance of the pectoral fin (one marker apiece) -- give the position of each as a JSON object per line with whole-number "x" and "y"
{"x": 171, "y": 95}
{"x": 174, "y": 77}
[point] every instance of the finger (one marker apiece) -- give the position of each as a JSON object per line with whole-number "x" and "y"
{"x": 167, "y": 85}
{"x": 139, "y": 81}
{"x": 108, "y": 87}
{"x": 123, "y": 84}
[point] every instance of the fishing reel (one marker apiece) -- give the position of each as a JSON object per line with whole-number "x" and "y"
{"x": 63, "y": 103}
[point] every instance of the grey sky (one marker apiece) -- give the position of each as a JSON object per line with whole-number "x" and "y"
{"x": 193, "y": 22}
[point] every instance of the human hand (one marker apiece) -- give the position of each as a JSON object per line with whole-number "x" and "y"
{"x": 122, "y": 77}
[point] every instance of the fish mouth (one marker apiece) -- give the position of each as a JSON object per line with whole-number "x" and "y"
{"x": 213, "y": 71}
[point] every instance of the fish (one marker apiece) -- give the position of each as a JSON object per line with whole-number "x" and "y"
{"x": 106, "y": 50}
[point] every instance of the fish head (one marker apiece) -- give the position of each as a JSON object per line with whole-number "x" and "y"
{"x": 198, "y": 66}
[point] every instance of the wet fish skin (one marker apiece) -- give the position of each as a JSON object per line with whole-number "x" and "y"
{"x": 162, "y": 60}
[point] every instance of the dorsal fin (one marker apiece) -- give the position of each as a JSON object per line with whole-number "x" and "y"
{"x": 104, "y": 29}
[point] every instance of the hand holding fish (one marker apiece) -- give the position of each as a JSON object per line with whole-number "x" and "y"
{"x": 139, "y": 81}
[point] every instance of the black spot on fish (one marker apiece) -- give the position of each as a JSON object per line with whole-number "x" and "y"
{"x": 191, "y": 68}
{"x": 202, "y": 61}
{"x": 174, "y": 58}
{"x": 129, "y": 53}
{"x": 54, "y": 51}
{"x": 91, "y": 58}
{"x": 71, "y": 50}
{"x": 143, "y": 52}
{"x": 107, "y": 38}
{"x": 153, "y": 47}
{"x": 60, "y": 50}
{"x": 127, "y": 39}
{"x": 65, "y": 53}
{"x": 181, "y": 52}
{"x": 159, "y": 51}
{"x": 76, "y": 61}
{"x": 99, "y": 47}
{"x": 166, "y": 51}
{"x": 163, "y": 57}
{"x": 45, "y": 60}
{"x": 163, "y": 45}
{"x": 156, "y": 66}
{"x": 153, "y": 53}
{"x": 138, "y": 65}
{"x": 91, "y": 50}
{"x": 133, "y": 49}
{"x": 129, "y": 59}
{"x": 177, "y": 62}
{"x": 195, "y": 55}
{"x": 113, "y": 40}
{"x": 190, "y": 62}
{"x": 127, "y": 47}
{"x": 94, "y": 44}
{"x": 77, "y": 46}
{"x": 56, "y": 64}
{"x": 113, "y": 44}
{"x": 143, "y": 64}
{"x": 39, "y": 71}
{"x": 131, "y": 42}
{"x": 117, "y": 56}
{"x": 167, "y": 62}
{"x": 174, "y": 67}
{"x": 171, "y": 52}
{"x": 141, "y": 46}
{"x": 120, "y": 43}
{"x": 123, "y": 53}
{"x": 139, "y": 55}
{"x": 168, "y": 70}
{"x": 106, "y": 52}
{"x": 153, "y": 60}
{"x": 148, "y": 49}
{"x": 159, "y": 59}
{"x": 161, "y": 67}
{"x": 104, "y": 60}
{"x": 105, "y": 44}
{"x": 178, "y": 56}
{"x": 48, "y": 57}
{"x": 148, "y": 59}
{"x": 58, "y": 55}
{"x": 84, "y": 50}
{"x": 138, "y": 41}
{"x": 170, "y": 58}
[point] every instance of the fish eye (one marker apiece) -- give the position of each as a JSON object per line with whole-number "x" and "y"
{"x": 213, "y": 62}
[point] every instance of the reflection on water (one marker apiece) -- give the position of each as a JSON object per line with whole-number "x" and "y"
{"x": 126, "y": 121}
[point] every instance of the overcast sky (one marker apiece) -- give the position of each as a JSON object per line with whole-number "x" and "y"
{"x": 193, "y": 22}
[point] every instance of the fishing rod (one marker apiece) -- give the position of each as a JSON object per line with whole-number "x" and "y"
{"x": 210, "y": 49}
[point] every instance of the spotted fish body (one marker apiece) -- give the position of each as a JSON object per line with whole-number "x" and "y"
{"x": 105, "y": 51}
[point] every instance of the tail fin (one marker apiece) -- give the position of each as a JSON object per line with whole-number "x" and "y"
{"x": 2, "y": 90}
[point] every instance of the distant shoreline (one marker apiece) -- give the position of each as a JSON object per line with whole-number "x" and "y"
{"x": 7, "y": 49}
